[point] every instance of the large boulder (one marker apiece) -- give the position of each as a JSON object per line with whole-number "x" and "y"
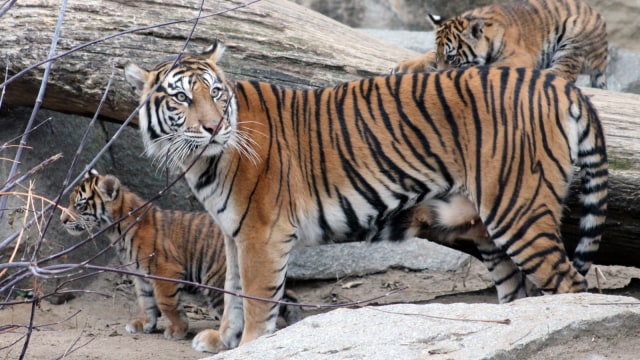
{"x": 571, "y": 326}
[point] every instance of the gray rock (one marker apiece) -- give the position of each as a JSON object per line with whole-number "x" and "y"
{"x": 453, "y": 331}
{"x": 361, "y": 258}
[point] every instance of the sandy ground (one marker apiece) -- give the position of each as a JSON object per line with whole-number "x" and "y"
{"x": 91, "y": 326}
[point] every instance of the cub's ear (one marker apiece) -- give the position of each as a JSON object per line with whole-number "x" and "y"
{"x": 136, "y": 76}
{"x": 436, "y": 20}
{"x": 109, "y": 187}
{"x": 91, "y": 173}
{"x": 214, "y": 52}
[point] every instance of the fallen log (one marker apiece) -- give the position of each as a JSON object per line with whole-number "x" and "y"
{"x": 274, "y": 40}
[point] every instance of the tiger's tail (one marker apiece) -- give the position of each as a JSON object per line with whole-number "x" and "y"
{"x": 594, "y": 175}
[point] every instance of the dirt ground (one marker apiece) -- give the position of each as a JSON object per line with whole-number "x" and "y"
{"x": 91, "y": 326}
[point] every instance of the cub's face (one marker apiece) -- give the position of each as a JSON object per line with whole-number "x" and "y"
{"x": 80, "y": 216}
{"x": 91, "y": 204}
{"x": 461, "y": 42}
{"x": 191, "y": 107}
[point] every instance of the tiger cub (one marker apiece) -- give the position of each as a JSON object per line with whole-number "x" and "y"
{"x": 171, "y": 244}
{"x": 371, "y": 159}
{"x": 567, "y": 37}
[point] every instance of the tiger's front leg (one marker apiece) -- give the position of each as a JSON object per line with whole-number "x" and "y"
{"x": 263, "y": 268}
{"x": 262, "y": 265}
{"x": 228, "y": 336}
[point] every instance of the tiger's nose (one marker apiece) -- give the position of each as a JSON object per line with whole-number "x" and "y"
{"x": 210, "y": 128}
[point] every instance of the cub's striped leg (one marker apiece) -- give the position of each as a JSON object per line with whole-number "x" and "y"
{"x": 149, "y": 311}
{"x": 168, "y": 295}
{"x": 576, "y": 53}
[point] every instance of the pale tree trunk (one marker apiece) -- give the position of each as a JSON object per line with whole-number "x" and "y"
{"x": 270, "y": 40}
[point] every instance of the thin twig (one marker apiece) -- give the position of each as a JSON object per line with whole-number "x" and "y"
{"x": 6, "y": 6}
{"x": 38, "y": 102}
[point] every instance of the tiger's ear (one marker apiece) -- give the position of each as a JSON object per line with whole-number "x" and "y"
{"x": 136, "y": 76}
{"x": 109, "y": 187}
{"x": 215, "y": 51}
{"x": 436, "y": 20}
{"x": 474, "y": 31}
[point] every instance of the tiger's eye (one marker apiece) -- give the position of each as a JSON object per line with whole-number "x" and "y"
{"x": 215, "y": 92}
{"x": 181, "y": 97}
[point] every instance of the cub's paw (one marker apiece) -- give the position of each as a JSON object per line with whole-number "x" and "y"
{"x": 208, "y": 341}
{"x": 175, "y": 332}
{"x": 423, "y": 63}
{"x": 138, "y": 325}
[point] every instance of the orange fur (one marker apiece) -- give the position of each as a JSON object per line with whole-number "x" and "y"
{"x": 377, "y": 159}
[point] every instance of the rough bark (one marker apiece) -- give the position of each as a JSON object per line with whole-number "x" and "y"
{"x": 272, "y": 40}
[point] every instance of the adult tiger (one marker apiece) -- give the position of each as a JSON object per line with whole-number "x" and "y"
{"x": 365, "y": 159}
{"x": 170, "y": 244}
{"x": 566, "y": 36}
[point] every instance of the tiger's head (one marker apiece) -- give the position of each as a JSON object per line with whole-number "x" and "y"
{"x": 189, "y": 107}
{"x": 90, "y": 203}
{"x": 462, "y": 41}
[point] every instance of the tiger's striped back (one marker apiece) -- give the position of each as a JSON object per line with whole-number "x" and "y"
{"x": 567, "y": 37}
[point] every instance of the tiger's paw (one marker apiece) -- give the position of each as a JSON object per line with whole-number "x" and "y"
{"x": 138, "y": 325}
{"x": 208, "y": 341}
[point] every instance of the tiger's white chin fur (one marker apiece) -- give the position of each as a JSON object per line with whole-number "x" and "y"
{"x": 179, "y": 149}
{"x": 78, "y": 227}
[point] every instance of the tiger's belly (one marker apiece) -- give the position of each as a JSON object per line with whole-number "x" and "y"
{"x": 348, "y": 221}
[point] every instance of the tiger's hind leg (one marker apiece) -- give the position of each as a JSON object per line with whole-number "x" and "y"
{"x": 455, "y": 217}
{"x": 533, "y": 244}
{"x": 510, "y": 282}
{"x": 291, "y": 313}
{"x": 149, "y": 311}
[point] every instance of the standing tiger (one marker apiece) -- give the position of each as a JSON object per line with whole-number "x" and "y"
{"x": 170, "y": 244}
{"x": 371, "y": 159}
{"x": 565, "y": 36}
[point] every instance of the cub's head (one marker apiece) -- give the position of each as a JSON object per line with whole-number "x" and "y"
{"x": 461, "y": 41}
{"x": 90, "y": 203}
{"x": 191, "y": 108}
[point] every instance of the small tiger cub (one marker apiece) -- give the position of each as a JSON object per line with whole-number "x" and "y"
{"x": 565, "y": 36}
{"x": 171, "y": 244}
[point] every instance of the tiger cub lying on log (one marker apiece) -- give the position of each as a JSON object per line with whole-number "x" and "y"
{"x": 567, "y": 37}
